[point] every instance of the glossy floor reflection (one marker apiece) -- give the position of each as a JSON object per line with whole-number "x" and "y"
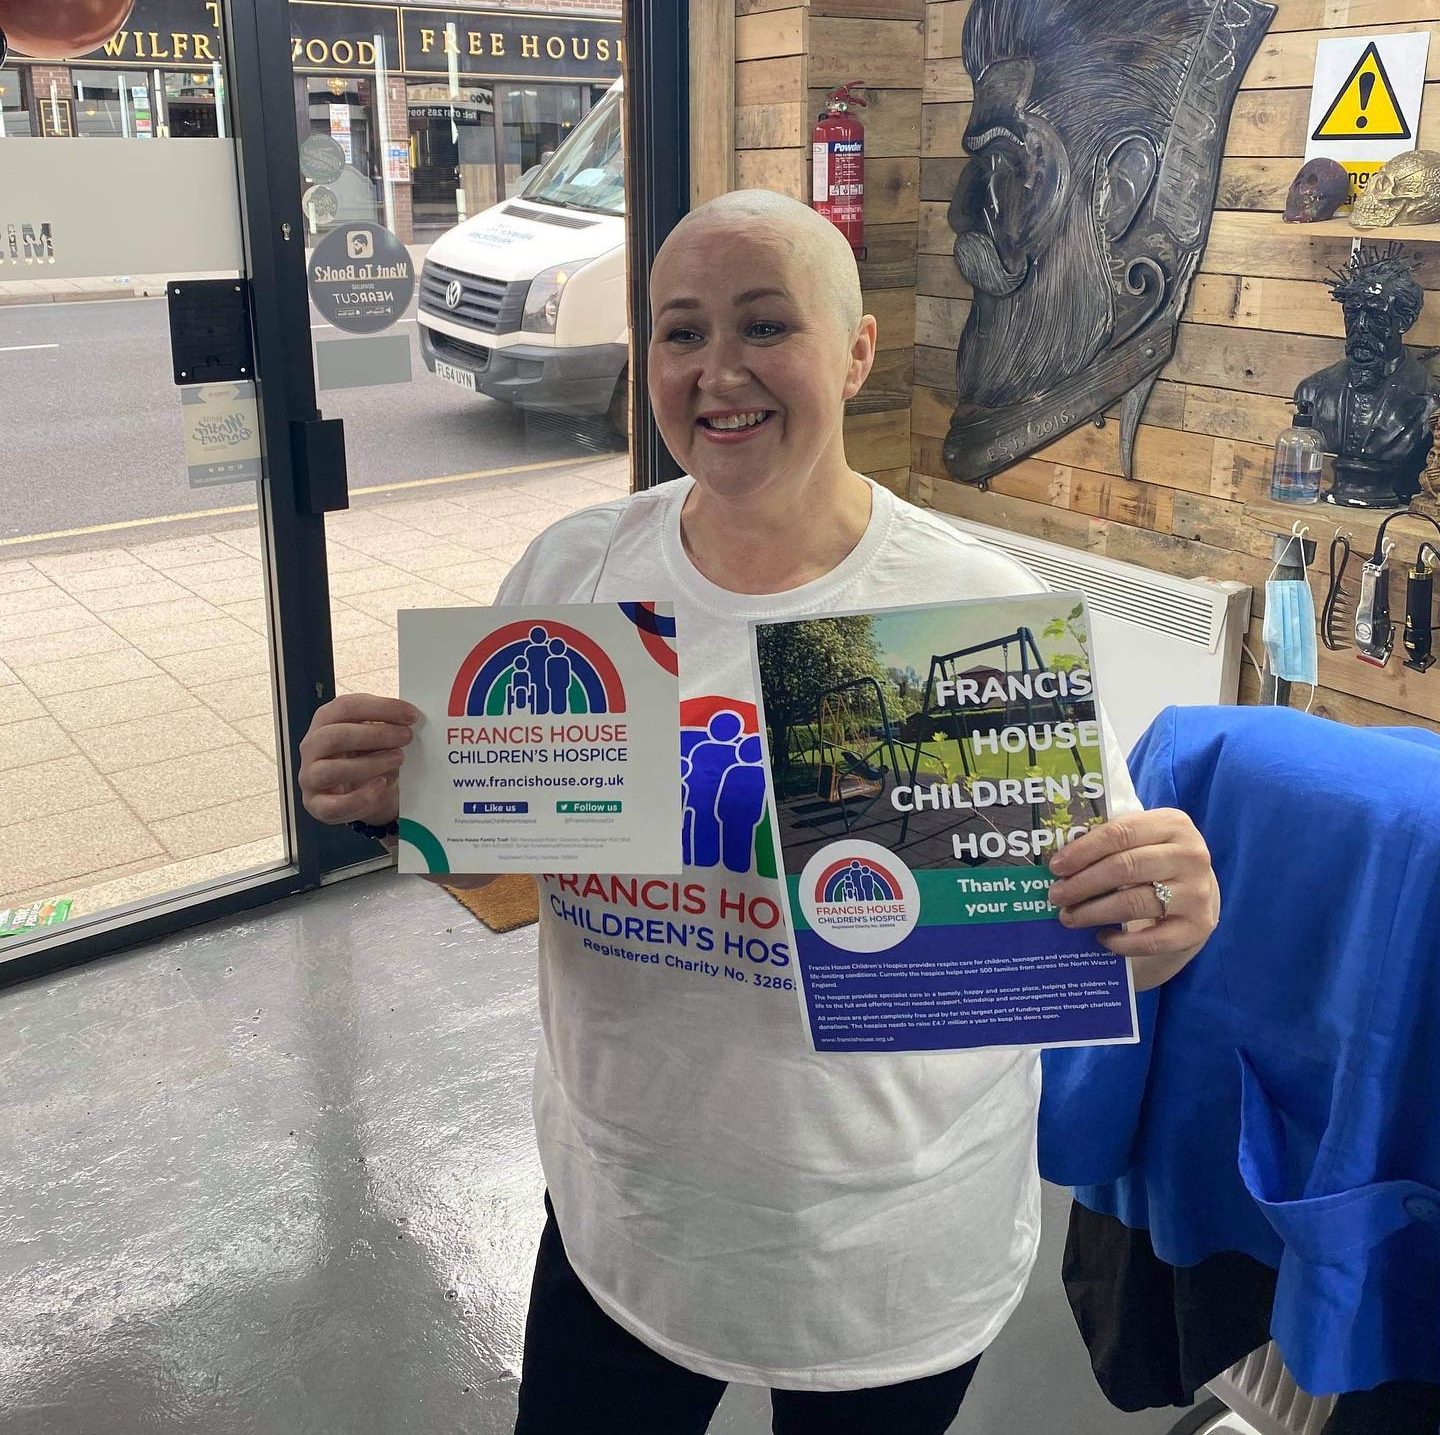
{"x": 278, "y": 1177}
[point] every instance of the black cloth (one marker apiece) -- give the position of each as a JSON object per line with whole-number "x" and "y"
{"x": 583, "y": 1372}
{"x": 1157, "y": 1333}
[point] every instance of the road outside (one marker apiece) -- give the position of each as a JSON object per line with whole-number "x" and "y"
{"x": 93, "y": 424}
{"x": 137, "y": 728}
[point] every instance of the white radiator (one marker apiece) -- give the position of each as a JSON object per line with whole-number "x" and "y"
{"x": 1267, "y": 1401}
{"x": 1160, "y": 641}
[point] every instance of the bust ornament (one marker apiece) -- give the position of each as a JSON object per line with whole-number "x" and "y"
{"x": 1373, "y": 408}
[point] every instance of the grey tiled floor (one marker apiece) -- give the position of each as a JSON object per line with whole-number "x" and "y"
{"x": 277, "y": 1177}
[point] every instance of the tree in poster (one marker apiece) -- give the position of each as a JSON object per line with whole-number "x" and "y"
{"x": 799, "y": 662}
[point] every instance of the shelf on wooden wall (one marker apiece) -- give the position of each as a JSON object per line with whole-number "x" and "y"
{"x": 1263, "y": 221}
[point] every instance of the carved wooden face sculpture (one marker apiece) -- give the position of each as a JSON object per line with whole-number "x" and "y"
{"x": 1094, "y": 146}
{"x": 1405, "y": 191}
{"x": 1320, "y": 188}
{"x": 59, "y": 29}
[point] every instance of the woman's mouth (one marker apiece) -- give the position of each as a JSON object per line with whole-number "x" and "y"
{"x": 735, "y": 426}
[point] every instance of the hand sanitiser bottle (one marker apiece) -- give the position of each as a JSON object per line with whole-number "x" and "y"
{"x": 1299, "y": 454}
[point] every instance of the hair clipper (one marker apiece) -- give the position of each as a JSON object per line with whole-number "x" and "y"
{"x": 1374, "y": 630}
{"x": 1419, "y": 608}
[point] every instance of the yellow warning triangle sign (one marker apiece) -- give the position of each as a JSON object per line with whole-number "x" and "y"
{"x": 1366, "y": 107}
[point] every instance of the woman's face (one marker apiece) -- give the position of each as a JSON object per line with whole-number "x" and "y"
{"x": 750, "y": 362}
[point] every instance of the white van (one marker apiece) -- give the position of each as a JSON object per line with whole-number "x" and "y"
{"x": 527, "y": 301}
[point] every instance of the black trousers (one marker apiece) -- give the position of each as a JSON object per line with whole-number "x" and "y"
{"x": 585, "y": 1375}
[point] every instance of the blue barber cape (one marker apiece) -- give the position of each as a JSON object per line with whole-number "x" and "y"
{"x": 1284, "y": 1099}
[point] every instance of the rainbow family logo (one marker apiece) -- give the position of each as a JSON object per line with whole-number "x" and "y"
{"x": 858, "y": 896}
{"x": 858, "y": 880}
{"x": 536, "y": 669}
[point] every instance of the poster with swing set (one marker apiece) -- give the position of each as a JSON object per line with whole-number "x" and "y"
{"x": 926, "y": 762}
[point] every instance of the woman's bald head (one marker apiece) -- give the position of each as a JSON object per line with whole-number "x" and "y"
{"x": 825, "y": 256}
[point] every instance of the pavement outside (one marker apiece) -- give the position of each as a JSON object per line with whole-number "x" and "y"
{"x": 137, "y": 727}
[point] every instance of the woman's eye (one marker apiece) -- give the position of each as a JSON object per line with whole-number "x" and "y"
{"x": 682, "y": 336}
{"x": 764, "y": 329}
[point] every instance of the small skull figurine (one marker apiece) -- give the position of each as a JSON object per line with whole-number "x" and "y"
{"x": 1320, "y": 188}
{"x": 1405, "y": 191}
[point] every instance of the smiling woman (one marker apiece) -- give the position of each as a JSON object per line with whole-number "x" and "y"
{"x": 785, "y": 1245}
{"x": 758, "y": 341}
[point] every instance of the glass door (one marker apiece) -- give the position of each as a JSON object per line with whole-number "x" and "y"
{"x": 493, "y": 400}
{"x": 164, "y": 631}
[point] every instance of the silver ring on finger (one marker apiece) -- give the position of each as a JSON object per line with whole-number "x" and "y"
{"x": 1164, "y": 896}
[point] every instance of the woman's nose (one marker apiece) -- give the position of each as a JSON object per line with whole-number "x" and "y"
{"x": 723, "y": 367}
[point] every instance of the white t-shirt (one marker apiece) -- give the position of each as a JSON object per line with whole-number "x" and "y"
{"x": 748, "y": 1208}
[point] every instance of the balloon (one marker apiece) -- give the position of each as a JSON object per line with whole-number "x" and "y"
{"x": 60, "y": 29}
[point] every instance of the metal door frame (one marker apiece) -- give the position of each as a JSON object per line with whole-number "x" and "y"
{"x": 261, "y": 114}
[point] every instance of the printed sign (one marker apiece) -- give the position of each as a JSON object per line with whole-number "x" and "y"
{"x": 340, "y": 130}
{"x": 1365, "y": 106}
{"x": 222, "y": 433}
{"x": 926, "y": 763}
{"x": 322, "y": 161}
{"x": 547, "y": 742}
{"x": 140, "y": 109}
{"x": 361, "y": 278}
{"x": 397, "y": 162}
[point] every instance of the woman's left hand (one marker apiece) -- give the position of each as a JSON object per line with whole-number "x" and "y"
{"x": 1108, "y": 878}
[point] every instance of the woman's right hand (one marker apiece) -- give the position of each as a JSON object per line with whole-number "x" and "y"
{"x": 350, "y": 758}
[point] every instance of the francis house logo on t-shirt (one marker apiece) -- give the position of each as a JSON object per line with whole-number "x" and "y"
{"x": 536, "y": 669}
{"x": 724, "y": 807}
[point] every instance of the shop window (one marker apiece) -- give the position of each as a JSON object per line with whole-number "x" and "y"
{"x": 114, "y": 104}
{"x": 537, "y": 120}
{"x": 452, "y": 151}
{"x": 14, "y": 103}
{"x": 190, "y": 105}
{"x": 343, "y": 107}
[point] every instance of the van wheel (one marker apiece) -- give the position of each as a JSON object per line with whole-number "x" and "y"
{"x": 619, "y": 410}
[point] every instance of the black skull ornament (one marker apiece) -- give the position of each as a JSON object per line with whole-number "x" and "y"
{"x": 1320, "y": 188}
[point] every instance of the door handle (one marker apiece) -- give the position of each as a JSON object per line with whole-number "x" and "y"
{"x": 322, "y": 483}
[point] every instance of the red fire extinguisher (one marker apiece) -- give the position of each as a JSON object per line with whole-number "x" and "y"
{"x": 838, "y": 147}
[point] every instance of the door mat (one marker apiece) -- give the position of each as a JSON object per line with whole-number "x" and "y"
{"x": 507, "y": 903}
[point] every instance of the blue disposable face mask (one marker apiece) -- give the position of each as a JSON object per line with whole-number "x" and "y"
{"x": 1290, "y": 631}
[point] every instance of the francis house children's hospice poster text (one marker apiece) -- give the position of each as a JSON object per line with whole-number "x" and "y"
{"x": 926, "y": 763}
{"x": 547, "y": 739}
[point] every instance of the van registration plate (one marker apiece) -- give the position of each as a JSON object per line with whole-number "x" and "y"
{"x": 463, "y": 377}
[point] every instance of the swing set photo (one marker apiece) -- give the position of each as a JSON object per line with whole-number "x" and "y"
{"x": 855, "y": 742}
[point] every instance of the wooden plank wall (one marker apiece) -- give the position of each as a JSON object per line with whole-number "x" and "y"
{"x": 1258, "y": 320}
{"x": 789, "y": 55}
{"x": 712, "y": 99}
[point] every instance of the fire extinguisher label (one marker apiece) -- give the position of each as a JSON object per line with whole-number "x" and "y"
{"x": 820, "y": 182}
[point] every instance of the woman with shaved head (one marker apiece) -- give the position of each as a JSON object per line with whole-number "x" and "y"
{"x": 850, "y": 1231}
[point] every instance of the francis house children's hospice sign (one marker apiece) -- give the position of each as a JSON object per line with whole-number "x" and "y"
{"x": 547, "y": 741}
{"x": 926, "y": 763}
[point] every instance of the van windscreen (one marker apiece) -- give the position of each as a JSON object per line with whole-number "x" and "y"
{"x": 588, "y": 170}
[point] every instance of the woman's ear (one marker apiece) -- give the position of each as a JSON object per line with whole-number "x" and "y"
{"x": 862, "y": 356}
{"x": 1129, "y": 173}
